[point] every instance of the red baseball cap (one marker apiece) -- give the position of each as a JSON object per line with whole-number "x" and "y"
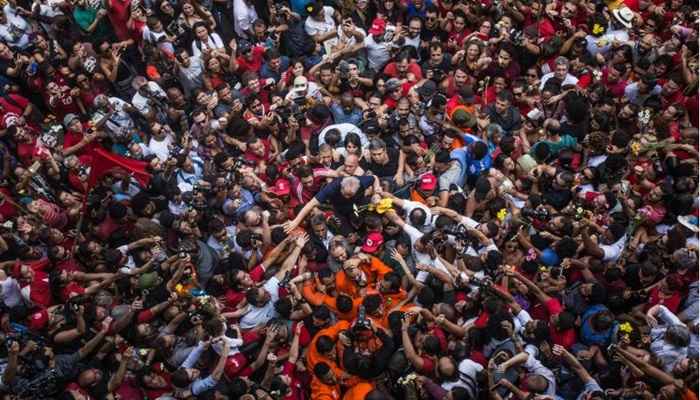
{"x": 281, "y": 188}
{"x": 372, "y": 242}
{"x": 427, "y": 182}
{"x": 378, "y": 26}
{"x": 39, "y": 320}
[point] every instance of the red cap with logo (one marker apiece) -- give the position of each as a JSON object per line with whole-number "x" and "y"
{"x": 378, "y": 26}
{"x": 281, "y": 188}
{"x": 372, "y": 242}
{"x": 427, "y": 182}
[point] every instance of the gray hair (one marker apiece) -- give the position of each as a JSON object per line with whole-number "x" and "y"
{"x": 678, "y": 335}
{"x": 377, "y": 144}
{"x": 562, "y": 61}
{"x": 350, "y": 183}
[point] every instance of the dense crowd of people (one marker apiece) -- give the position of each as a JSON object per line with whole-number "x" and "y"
{"x": 349, "y": 199}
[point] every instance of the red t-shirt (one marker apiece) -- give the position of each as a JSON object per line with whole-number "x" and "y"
{"x": 70, "y": 290}
{"x": 672, "y": 303}
{"x": 543, "y": 311}
{"x": 39, "y": 288}
{"x": 73, "y": 386}
{"x": 254, "y": 64}
{"x": 565, "y": 338}
{"x": 153, "y": 394}
{"x": 7, "y": 210}
{"x": 393, "y": 72}
{"x": 16, "y": 104}
{"x": 297, "y": 390}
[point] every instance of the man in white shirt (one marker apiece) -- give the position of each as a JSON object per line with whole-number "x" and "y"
{"x": 147, "y": 96}
{"x": 14, "y": 29}
{"x": 378, "y": 50}
{"x": 321, "y": 26}
{"x": 561, "y": 71}
{"x": 244, "y": 15}
{"x": 161, "y": 140}
{"x": 261, "y": 304}
{"x": 344, "y": 129}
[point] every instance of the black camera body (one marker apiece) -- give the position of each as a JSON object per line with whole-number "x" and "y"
{"x": 540, "y": 214}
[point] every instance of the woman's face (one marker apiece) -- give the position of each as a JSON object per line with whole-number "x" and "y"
{"x": 473, "y": 51}
{"x": 298, "y": 69}
{"x": 381, "y": 86}
{"x": 485, "y": 28}
{"x": 201, "y": 33}
{"x": 459, "y": 24}
{"x": 351, "y": 148}
{"x": 187, "y": 9}
{"x": 166, "y": 7}
{"x": 214, "y": 64}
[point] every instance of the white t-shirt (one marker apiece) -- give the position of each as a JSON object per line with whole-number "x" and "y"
{"x": 141, "y": 102}
{"x": 213, "y": 42}
{"x": 377, "y": 53}
{"x": 10, "y": 292}
{"x": 243, "y": 17}
{"x": 348, "y": 40}
{"x": 613, "y": 251}
{"x": 314, "y": 27}
{"x": 422, "y": 258}
{"x": 260, "y": 315}
{"x": 16, "y": 29}
{"x": 161, "y": 149}
{"x": 604, "y": 43}
{"x": 568, "y": 80}
{"x": 344, "y": 129}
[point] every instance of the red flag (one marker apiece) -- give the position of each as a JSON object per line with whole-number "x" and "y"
{"x": 104, "y": 162}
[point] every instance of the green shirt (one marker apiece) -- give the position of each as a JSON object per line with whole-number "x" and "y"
{"x": 84, "y": 17}
{"x": 565, "y": 142}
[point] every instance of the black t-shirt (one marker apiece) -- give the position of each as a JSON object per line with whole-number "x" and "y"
{"x": 444, "y": 65}
{"x": 387, "y": 170}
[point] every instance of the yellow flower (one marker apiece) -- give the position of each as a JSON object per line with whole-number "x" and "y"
{"x": 384, "y": 206}
{"x": 626, "y": 327}
{"x": 502, "y": 214}
{"x": 636, "y": 147}
{"x": 597, "y": 29}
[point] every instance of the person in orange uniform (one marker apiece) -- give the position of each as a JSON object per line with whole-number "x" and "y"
{"x": 359, "y": 391}
{"x": 324, "y": 385}
{"x": 359, "y": 272}
{"x": 326, "y": 336}
{"x": 343, "y": 306}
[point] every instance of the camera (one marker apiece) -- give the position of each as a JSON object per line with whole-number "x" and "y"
{"x": 389, "y": 33}
{"x": 344, "y": 70}
{"x": 285, "y": 280}
{"x": 362, "y": 323}
{"x": 539, "y": 214}
{"x": 483, "y": 284}
{"x": 176, "y": 151}
{"x": 459, "y": 231}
